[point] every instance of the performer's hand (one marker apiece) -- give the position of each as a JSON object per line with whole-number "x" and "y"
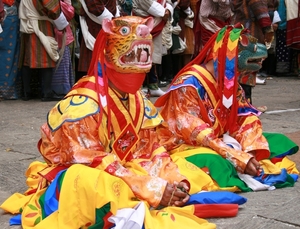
{"x": 253, "y": 167}
{"x": 183, "y": 194}
{"x": 173, "y": 196}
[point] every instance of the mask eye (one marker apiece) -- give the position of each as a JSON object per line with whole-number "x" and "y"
{"x": 125, "y": 30}
{"x": 244, "y": 40}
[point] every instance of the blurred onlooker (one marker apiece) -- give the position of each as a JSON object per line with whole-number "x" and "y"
{"x": 165, "y": 69}
{"x": 74, "y": 24}
{"x": 161, "y": 11}
{"x": 91, "y": 16}
{"x": 126, "y": 7}
{"x": 283, "y": 53}
{"x": 182, "y": 43}
{"x": 75, "y": 46}
{"x": 183, "y": 35}
{"x": 293, "y": 30}
{"x": 39, "y": 49}
{"x": 10, "y": 83}
{"x": 63, "y": 77}
{"x": 211, "y": 16}
{"x": 254, "y": 15}
{"x": 268, "y": 68}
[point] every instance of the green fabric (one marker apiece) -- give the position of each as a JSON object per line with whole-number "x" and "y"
{"x": 42, "y": 203}
{"x": 221, "y": 34}
{"x": 224, "y": 173}
{"x": 280, "y": 144}
{"x": 235, "y": 34}
{"x": 288, "y": 183}
{"x": 100, "y": 213}
{"x": 221, "y": 170}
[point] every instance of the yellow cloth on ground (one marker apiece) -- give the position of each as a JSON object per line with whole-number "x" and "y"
{"x": 286, "y": 163}
{"x": 269, "y": 167}
{"x": 174, "y": 217}
{"x": 289, "y": 165}
{"x": 85, "y": 189}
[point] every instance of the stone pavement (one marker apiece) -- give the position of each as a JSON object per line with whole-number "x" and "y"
{"x": 19, "y": 133}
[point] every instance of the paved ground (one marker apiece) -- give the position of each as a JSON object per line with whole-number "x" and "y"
{"x": 19, "y": 133}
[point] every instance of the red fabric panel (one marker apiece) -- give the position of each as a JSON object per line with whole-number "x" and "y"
{"x": 216, "y": 210}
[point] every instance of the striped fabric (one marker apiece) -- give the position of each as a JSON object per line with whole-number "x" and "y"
{"x": 253, "y": 14}
{"x": 33, "y": 53}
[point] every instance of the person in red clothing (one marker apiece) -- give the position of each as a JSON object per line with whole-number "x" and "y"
{"x": 91, "y": 16}
{"x": 211, "y": 17}
{"x": 254, "y": 15}
{"x": 39, "y": 49}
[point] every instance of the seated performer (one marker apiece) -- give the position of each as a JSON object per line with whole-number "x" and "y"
{"x": 205, "y": 105}
{"x": 101, "y": 149}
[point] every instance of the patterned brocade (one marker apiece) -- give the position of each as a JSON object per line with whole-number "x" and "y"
{"x": 192, "y": 108}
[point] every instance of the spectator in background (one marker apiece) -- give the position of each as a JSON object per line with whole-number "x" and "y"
{"x": 211, "y": 16}
{"x": 283, "y": 53}
{"x": 254, "y": 15}
{"x": 39, "y": 49}
{"x": 268, "y": 64}
{"x": 10, "y": 83}
{"x": 64, "y": 73}
{"x": 183, "y": 35}
{"x": 125, "y": 6}
{"x": 165, "y": 69}
{"x": 91, "y": 16}
{"x": 161, "y": 11}
{"x": 293, "y": 32}
{"x": 74, "y": 24}
{"x": 181, "y": 43}
{"x": 63, "y": 77}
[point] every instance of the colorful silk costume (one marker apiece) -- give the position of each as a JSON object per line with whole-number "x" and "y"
{"x": 200, "y": 107}
{"x": 101, "y": 149}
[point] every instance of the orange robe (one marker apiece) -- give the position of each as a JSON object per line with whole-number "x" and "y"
{"x": 73, "y": 135}
{"x": 192, "y": 110}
